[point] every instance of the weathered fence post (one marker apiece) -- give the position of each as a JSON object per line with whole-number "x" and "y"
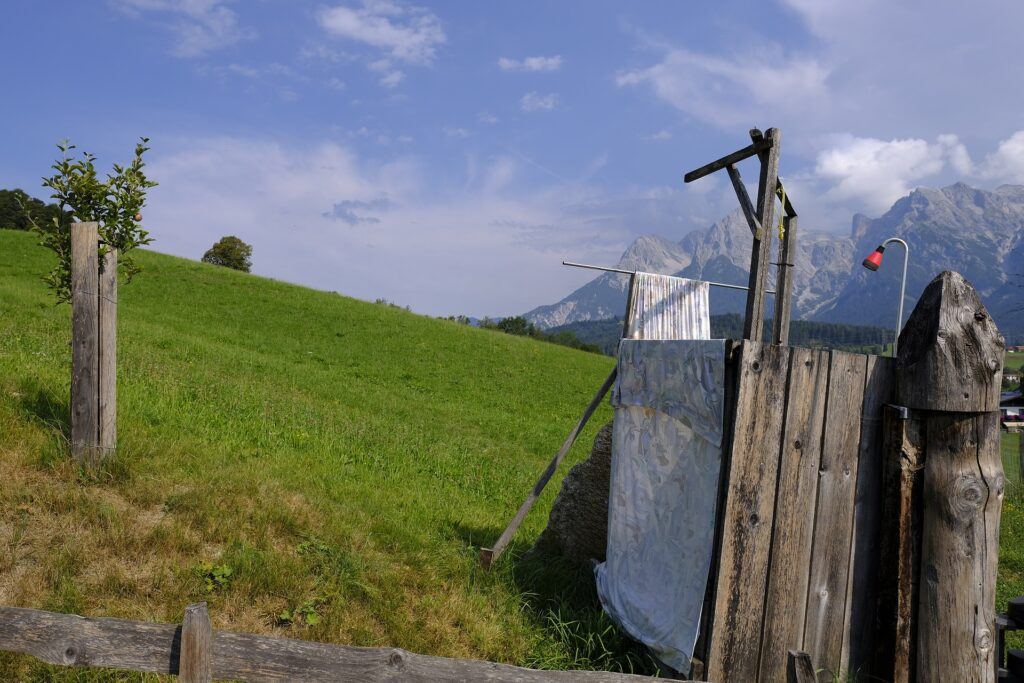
{"x": 195, "y": 663}
{"x": 107, "y": 389}
{"x": 948, "y": 376}
{"x": 84, "y": 343}
{"x": 93, "y": 347}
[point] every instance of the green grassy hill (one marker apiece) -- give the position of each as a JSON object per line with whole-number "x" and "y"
{"x": 336, "y": 455}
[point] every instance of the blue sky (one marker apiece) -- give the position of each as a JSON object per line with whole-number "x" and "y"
{"x": 449, "y": 155}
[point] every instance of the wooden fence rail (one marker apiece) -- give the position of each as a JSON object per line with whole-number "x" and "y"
{"x": 199, "y": 654}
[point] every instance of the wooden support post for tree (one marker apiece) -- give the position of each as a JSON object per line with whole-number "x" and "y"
{"x": 753, "y": 324}
{"x": 93, "y": 347}
{"x": 107, "y": 389}
{"x": 948, "y": 377}
{"x": 195, "y": 663}
{"x": 85, "y": 410}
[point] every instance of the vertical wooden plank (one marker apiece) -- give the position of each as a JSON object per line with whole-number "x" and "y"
{"x": 108, "y": 354}
{"x": 747, "y": 520}
{"x": 963, "y": 490}
{"x": 794, "y": 511}
{"x": 195, "y": 664}
{"x": 900, "y": 546}
{"x": 784, "y": 282}
{"x": 760, "y": 255}
{"x": 833, "y": 525}
{"x": 861, "y": 592}
{"x": 84, "y": 343}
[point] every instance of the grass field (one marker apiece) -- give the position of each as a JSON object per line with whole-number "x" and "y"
{"x": 311, "y": 465}
{"x": 342, "y": 460}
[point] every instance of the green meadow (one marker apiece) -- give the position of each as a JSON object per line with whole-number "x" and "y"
{"x": 311, "y": 465}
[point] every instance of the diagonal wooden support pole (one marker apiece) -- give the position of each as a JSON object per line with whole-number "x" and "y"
{"x": 489, "y": 555}
{"x": 744, "y": 200}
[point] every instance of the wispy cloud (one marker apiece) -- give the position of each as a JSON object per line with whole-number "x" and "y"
{"x": 488, "y": 118}
{"x": 455, "y": 132}
{"x": 345, "y": 211}
{"x": 534, "y": 101}
{"x": 199, "y": 26}
{"x": 659, "y": 136}
{"x": 405, "y": 32}
{"x": 531, "y": 63}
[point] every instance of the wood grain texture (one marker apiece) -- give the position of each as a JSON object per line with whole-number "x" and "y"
{"x": 84, "y": 343}
{"x": 784, "y": 282}
{"x": 195, "y": 664}
{"x": 899, "y": 548}
{"x": 861, "y": 594}
{"x": 950, "y": 351}
{"x": 70, "y": 640}
{"x": 799, "y": 668}
{"x": 734, "y": 638}
{"x": 753, "y": 324}
{"x": 107, "y": 382}
{"x": 963, "y": 488}
{"x": 744, "y": 199}
{"x": 794, "y": 511}
{"x": 736, "y": 157}
{"x": 833, "y": 526}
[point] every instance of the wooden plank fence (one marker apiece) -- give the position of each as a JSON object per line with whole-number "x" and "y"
{"x": 797, "y": 515}
{"x": 199, "y": 654}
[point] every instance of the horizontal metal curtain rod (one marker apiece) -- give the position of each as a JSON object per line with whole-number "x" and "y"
{"x": 633, "y": 272}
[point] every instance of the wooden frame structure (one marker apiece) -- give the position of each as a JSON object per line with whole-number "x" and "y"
{"x": 766, "y": 147}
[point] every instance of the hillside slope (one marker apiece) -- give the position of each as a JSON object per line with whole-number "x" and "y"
{"x": 341, "y": 458}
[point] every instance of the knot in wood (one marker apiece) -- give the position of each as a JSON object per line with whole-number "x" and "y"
{"x": 979, "y": 316}
{"x": 967, "y": 496}
{"x": 983, "y": 641}
{"x": 395, "y": 660}
{"x": 70, "y": 655}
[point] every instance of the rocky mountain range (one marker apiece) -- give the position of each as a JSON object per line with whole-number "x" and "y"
{"x": 979, "y": 233}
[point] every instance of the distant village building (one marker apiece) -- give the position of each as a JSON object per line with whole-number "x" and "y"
{"x": 1011, "y": 410}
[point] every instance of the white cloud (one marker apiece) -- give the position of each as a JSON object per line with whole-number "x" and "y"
{"x": 454, "y": 132}
{"x": 1006, "y": 163}
{"x": 659, "y": 136}
{"x": 392, "y": 79}
{"x": 407, "y": 33}
{"x": 488, "y": 118}
{"x": 727, "y": 92}
{"x": 531, "y": 64}
{"x": 534, "y": 101}
{"x": 199, "y": 26}
{"x": 875, "y": 173}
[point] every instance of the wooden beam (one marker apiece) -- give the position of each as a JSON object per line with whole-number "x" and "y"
{"x": 799, "y": 668}
{"x": 85, "y": 343}
{"x": 195, "y": 665}
{"x": 727, "y": 160}
{"x": 744, "y": 200}
{"x": 107, "y": 387}
{"x": 69, "y": 640}
{"x": 787, "y": 205}
{"x": 753, "y": 324}
{"x": 784, "y": 281}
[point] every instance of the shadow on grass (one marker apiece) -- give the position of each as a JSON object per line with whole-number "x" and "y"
{"x": 46, "y": 407}
{"x": 560, "y": 597}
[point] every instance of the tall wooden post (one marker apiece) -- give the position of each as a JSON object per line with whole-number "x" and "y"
{"x": 85, "y": 343}
{"x": 948, "y": 377}
{"x": 760, "y": 256}
{"x": 93, "y": 347}
{"x": 784, "y": 282}
{"x": 195, "y": 664}
{"x": 107, "y": 388}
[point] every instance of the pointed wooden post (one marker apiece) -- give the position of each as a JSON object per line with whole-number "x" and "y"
{"x": 760, "y": 256}
{"x": 85, "y": 344}
{"x": 948, "y": 375}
